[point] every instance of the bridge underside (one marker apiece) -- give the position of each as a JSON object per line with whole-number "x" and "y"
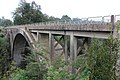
{"x": 66, "y": 43}
{"x": 20, "y": 45}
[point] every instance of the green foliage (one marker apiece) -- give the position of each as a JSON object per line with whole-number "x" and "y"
{"x": 19, "y": 74}
{"x": 37, "y": 63}
{"x": 101, "y": 61}
{"x": 57, "y": 74}
{"x": 97, "y": 64}
{"x": 58, "y": 70}
{"x": 52, "y": 18}
{"x": 65, "y": 17}
{"x": 5, "y": 22}
{"x": 28, "y": 13}
{"x": 4, "y": 54}
{"x": 36, "y": 68}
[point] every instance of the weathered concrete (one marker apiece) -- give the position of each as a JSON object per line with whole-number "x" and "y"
{"x": 19, "y": 46}
{"x": 22, "y": 35}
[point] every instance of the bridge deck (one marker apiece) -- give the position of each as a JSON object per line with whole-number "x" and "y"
{"x": 67, "y": 27}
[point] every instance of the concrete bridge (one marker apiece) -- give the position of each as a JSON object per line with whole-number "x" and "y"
{"x": 22, "y": 36}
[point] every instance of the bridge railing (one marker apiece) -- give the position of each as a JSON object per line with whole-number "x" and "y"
{"x": 82, "y": 21}
{"x": 117, "y": 18}
{"x": 99, "y": 20}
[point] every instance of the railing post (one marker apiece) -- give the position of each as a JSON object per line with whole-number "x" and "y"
{"x": 114, "y": 30}
{"x": 112, "y": 21}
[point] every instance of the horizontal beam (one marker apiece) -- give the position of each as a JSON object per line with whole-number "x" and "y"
{"x": 94, "y": 34}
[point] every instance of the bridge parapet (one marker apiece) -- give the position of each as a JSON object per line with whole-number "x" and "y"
{"x": 84, "y": 27}
{"x": 85, "y": 24}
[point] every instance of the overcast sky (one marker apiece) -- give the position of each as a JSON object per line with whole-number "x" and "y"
{"x": 72, "y": 8}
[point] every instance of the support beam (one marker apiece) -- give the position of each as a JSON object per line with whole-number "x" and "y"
{"x": 81, "y": 46}
{"x": 58, "y": 41}
{"x": 65, "y": 48}
{"x": 75, "y": 47}
{"x": 51, "y": 46}
{"x": 38, "y": 36}
{"x": 11, "y": 42}
{"x": 73, "y": 50}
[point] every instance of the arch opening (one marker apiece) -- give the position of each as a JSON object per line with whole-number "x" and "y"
{"x": 20, "y": 50}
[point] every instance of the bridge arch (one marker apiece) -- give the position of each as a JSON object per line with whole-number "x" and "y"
{"x": 20, "y": 44}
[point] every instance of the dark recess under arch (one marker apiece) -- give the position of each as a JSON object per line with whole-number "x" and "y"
{"x": 20, "y": 49}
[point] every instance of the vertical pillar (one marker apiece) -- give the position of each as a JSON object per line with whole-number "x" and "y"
{"x": 51, "y": 46}
{"x": 113, "y": 21}
{"x": 75, "y": 47}
{"x": 38, "y": 36}
{"x": 65, "y": 48}
{"x": 73, "y": 50}
{"x": 114, "y": 31}
{"x": 11, "y": 42}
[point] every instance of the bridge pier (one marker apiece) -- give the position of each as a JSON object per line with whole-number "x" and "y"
{"x": 51, "y": 47}
{"x": 65, "y": 48}
{"x": 73, "y": 50}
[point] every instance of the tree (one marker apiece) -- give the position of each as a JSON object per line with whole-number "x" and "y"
{"x": 52, "y": 18}
{"x": 28, "y": 13}
{"x": 76, "y": 19}
{"x": 5, "y": 22}
{"x": 36, "y": 68}
{"x": 4, "y": 54}
{"x": 65, "y": 17}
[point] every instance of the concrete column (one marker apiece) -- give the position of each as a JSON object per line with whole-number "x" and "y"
{"x": 38, "y": 36}
{"x": 65, "y": 48}
{"x": 75, "y": 47}
{"x": 11, "y": 43}
{"x": 51, "y": 46}
{"x": 114, "y": 29}
{"x": 73, "y": 50}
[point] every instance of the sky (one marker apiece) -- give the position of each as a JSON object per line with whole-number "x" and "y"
{"x": 72, "y": 8}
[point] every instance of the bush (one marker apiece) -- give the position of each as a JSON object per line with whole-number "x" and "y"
{"x": 4, "y": 54}
{"x": 98, "y": 63}
{"x": 102, "y": 56}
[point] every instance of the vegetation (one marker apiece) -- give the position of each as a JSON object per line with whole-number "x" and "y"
{"x": 97, "y": 63}
{"x": 5, "y": 22}
{"x": 28, "y": 13}
{"x": 36, "y": 68}
{"x": 102, "y": 59}
{"x": 66, "y": 18}
{"x": 4, "y": 54}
